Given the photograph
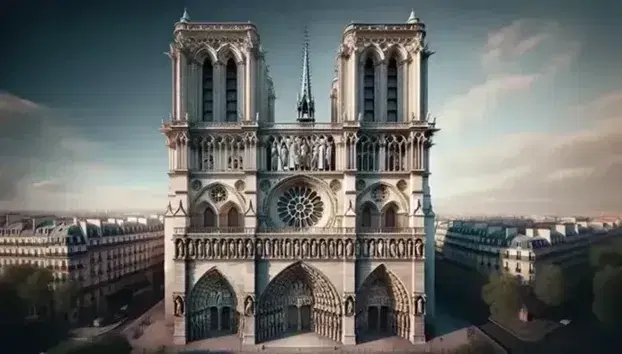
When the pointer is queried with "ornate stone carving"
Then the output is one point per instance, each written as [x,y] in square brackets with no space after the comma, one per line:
[240,185]
[218,193]
[249,306]
[196,185]
[380,193]
[204,248]
[300,207]
[419,249]
[301,153]
[360,185]
[349,306]
[402,185]
[335,185]
[265,185]
[420,305]
[180,305]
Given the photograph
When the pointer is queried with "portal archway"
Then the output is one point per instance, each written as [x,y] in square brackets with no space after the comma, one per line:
[299,299]
[212,307]
[382,307]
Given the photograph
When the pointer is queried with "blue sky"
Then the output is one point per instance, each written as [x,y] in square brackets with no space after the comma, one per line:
[527,94]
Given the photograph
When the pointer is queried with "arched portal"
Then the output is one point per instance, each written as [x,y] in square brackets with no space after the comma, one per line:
[382,307]
[299,299]
[212,307]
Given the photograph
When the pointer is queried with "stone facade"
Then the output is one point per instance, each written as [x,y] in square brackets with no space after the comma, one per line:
[274,229]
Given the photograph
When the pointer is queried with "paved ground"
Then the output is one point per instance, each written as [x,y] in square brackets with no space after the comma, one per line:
[155,334]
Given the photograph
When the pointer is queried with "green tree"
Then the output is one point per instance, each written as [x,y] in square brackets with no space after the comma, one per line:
[502,294]
[549,285]
[607,293]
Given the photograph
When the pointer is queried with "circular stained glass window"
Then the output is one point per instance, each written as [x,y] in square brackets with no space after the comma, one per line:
[300,206]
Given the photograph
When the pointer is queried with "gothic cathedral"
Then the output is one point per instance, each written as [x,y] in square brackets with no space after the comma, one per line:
[314,229]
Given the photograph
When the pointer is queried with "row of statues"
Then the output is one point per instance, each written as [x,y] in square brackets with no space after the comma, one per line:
[314,153]
[337,248]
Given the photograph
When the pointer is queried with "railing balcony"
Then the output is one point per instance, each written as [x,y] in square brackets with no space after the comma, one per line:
[390,230]
[216,230]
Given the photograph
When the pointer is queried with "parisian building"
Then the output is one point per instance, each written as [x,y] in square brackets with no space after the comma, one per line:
[277,229]
[109,260]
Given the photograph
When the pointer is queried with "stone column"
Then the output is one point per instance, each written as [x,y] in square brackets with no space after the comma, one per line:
[250,86]
[402,90]
[218,92]
[241,89]
[414,68]
[352,87]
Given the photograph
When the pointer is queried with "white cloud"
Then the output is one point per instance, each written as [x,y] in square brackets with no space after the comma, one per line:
[574,172]
[513,41]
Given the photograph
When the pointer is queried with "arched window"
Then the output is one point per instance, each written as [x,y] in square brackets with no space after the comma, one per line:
[209,218]
[390,217]
[208,91]
[392,91]
[233,217]
[369,90]
[231,91]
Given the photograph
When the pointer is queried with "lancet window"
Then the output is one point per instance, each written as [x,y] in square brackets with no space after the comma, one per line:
[300,153]
[392,91]
[220,153]
[368,152]
[208,91]
[369,90]
[382,153]
[231,91]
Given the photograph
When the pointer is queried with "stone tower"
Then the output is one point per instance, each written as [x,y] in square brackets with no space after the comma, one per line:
[276,229]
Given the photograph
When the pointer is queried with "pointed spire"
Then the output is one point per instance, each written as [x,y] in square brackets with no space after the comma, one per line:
[306,105]
[412,18]
[185,18]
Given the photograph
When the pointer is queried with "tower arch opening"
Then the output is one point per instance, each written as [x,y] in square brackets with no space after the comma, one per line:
[210,219]
[212,307]
[369,90]
[208,90]
[299,299]
[393,90]
[369,216]
[382,307]
[231,91]
[389,216]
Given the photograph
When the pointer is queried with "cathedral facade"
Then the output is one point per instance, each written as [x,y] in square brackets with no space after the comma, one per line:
[276,229]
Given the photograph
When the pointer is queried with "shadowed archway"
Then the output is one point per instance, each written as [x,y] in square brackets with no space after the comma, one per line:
[382,307]
[299,299]
[212,305]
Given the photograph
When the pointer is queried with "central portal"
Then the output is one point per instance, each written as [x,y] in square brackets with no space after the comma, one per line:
[298,300]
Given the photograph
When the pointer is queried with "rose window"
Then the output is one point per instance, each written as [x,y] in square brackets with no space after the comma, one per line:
[300,206]
[218,193]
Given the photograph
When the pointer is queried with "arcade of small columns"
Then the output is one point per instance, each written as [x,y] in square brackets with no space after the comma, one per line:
[300,299]
[314,152]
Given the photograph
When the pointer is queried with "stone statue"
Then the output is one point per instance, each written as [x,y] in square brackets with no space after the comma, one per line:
[331,248]
[321,158]
[276,249]
[400,248]
[349,248]
[313,249]
[232,249]
[191,249]
[180,249]
[419,306]
[296,248]
[409,250]
[208,249]
[418,248]
[249,248]
[288,250]
[305,249]
[223,249]
[380,248]
[292,155]
[328,155]
[274,157]
[179,306]
[372,248]
[284,158]
[240,249]
[315,151]
[392,250]
[267,249]
[339,248]
[259,247]
[322,249]
[249,306]
[349,310]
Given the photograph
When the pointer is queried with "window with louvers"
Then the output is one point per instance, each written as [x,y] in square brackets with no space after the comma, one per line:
[231,91]
[392,91]
[369,90]
[208,91]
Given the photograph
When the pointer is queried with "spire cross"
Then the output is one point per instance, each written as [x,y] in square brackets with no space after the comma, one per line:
[306,109]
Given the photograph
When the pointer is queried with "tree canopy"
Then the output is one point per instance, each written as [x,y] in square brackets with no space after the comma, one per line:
[549,286]
[502,294]
[607,294]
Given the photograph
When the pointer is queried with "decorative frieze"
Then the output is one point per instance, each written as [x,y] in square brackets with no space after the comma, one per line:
[320,248]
